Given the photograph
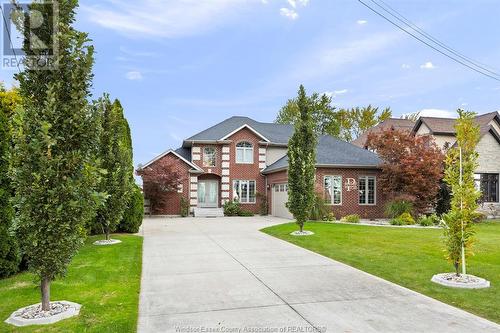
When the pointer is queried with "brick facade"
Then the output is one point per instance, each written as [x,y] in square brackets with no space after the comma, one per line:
[170,202]
[226,170]
[350,198]
[246,171]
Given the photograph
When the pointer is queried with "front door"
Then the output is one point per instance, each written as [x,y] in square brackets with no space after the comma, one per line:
[208,193]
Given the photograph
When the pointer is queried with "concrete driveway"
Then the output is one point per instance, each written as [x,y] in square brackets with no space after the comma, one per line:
[223,275]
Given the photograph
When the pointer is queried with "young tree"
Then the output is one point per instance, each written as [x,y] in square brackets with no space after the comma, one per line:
[355,121]
[9,250]
[53,168]
[301,162]
[412,165]
[115,155]
[322,113]
[461,161]
[160,181]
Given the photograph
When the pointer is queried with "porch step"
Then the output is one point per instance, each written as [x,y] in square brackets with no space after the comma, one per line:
[208,212]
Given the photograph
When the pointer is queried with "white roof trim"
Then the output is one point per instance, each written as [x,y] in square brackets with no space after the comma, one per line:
[176,154]
[240,128]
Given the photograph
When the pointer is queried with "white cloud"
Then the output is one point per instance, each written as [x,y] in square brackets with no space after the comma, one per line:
[361,22]
[292,3]
[304,2]
[134,76]
[335,93]
[289,13]
[437,113]
[428,65]
[166,18]
[326,60]
[405,66]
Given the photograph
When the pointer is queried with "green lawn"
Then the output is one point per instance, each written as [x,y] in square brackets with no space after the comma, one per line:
[408,257]
[104,279]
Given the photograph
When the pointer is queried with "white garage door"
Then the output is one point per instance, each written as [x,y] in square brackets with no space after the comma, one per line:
[280,197]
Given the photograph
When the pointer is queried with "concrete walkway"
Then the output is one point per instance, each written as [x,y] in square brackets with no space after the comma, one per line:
[223,275]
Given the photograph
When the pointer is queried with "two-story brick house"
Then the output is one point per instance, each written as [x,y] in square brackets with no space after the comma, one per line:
[239,157]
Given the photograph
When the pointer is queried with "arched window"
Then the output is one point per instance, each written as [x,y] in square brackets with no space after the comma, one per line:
[244,152]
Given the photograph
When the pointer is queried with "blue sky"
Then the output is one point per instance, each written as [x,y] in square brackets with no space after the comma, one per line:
[181,66]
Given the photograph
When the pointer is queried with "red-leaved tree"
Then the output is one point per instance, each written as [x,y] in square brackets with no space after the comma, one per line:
[160,180]
[412,166]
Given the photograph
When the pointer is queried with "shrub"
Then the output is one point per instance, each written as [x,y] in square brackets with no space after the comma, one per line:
[399,206]
[245,213]
[351,218]
[403,219]
[132,217]
[263,207]
[425,221]
[184,207]
[232,208]
[330,217]
[319,209]
[429,220]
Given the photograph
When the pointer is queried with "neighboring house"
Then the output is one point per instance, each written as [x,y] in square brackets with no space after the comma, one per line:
[391,123]
[240,157]
[488,172]
[443,132]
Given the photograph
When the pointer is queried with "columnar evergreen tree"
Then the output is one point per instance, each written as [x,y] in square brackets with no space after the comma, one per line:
[9,251]
[115,155]
[54,173]
[301,162]
[461,161]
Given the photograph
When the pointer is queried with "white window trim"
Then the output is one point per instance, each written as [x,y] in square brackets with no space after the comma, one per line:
[244,148]
[246,180]
[341,191]
[215,155]
[366,194]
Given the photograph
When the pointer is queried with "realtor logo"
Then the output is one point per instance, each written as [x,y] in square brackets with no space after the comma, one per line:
[34,24]
[350,184]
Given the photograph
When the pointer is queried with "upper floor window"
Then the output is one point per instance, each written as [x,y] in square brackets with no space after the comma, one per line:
[333,190]
[209,156]
[367,188]
[244,152]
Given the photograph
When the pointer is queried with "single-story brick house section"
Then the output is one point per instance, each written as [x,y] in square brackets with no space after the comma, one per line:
[240,157]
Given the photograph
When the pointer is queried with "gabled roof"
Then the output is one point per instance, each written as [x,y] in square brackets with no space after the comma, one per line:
[332,152]
[446,126]
[394,123]
[183,154]
[269,132]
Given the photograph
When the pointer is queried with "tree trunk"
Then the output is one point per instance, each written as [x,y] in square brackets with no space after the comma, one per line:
[301,226]
[45,289]
[457,266]
[107,231]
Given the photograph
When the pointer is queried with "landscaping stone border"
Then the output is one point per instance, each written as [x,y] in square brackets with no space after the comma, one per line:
[16,320]
[103,242]
[466,281]
[303,233]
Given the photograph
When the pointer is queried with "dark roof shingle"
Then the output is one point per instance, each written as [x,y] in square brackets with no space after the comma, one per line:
[334,152]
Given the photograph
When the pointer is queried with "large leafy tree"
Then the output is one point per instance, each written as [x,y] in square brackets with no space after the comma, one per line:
[411,166]
[115,154]
[53,167]
[323,114]
[301,162]
[461,161]
[355,121]
[346,124]
[9,250]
